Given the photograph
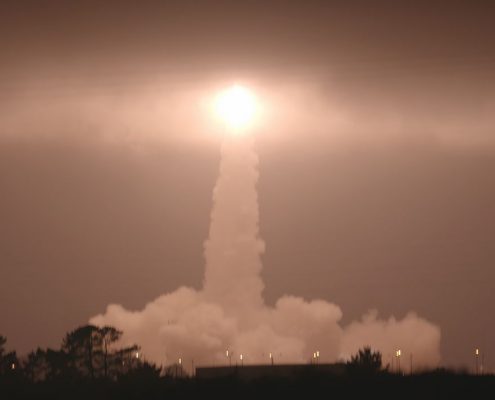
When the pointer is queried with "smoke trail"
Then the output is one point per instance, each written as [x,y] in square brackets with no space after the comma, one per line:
[233,248]
[229,312]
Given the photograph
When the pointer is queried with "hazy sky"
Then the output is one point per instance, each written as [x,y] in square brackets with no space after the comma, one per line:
[377,156]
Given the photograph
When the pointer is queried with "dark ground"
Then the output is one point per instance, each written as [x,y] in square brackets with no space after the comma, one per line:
[433,385]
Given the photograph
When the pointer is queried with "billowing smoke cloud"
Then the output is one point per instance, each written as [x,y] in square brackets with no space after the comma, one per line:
[414,336]
[229,312]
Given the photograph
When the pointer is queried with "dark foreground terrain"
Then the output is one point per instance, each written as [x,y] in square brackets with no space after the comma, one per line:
[433,385]
[90,365]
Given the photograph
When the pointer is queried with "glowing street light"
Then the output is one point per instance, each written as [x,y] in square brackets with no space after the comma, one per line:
[477,355]
[398,354]
[179,365]
[228,354]
[241,358]
[271,358]
[316,357]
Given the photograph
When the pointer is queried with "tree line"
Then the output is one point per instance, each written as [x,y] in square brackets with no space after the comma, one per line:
[91,364]
[88,352]
[92,352]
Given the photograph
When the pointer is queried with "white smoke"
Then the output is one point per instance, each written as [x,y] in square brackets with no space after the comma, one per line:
[229,312]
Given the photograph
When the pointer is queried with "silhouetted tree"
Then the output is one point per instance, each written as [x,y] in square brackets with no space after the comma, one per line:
[9,362]
[109,335]
[36,366]
[41,365]
[3,340]
[81,347]
[175,370]
[366,361]
[126,359]
[89,351]
[144,371]
[86,352]
[59,364]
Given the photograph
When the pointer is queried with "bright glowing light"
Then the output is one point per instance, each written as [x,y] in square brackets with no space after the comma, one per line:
[236,106]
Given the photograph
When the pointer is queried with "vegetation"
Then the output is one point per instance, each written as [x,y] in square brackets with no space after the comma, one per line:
[366,361]
[88,352]
[91,365]
[8,361]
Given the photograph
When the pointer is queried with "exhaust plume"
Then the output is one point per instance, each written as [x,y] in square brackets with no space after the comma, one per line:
[229,313]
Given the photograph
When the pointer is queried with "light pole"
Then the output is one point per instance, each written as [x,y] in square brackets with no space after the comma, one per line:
[271,358]
[229,356]
[398,354]
[242,359]
[137,361]
[476,356]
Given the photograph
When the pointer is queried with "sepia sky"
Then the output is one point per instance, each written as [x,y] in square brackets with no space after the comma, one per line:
[376,148]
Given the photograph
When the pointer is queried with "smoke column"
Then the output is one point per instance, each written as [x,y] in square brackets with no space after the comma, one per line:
[233,249]
[229,312]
